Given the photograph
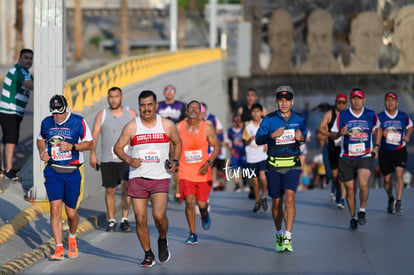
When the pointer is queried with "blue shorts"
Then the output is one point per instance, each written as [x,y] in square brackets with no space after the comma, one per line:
[278,182]
[257,166]
[237,162]
[63,186]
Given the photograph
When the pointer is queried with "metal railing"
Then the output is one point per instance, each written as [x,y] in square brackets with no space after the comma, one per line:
[88,88]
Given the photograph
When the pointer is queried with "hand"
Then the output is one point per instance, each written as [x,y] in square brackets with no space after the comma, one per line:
[278,132]
[344,130]
[374,152]
[204,169]
[65,146]
[44,156]
[134,162]
[298,136]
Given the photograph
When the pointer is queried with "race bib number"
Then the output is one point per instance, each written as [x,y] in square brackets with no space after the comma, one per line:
[193,156]
[59,155]
[288,137]
[150,156]
[393,138]
[357,149]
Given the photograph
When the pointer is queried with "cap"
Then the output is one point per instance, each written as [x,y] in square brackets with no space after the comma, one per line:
[358,93]
[285,92]
[392,95]
[341,96]
[58,104]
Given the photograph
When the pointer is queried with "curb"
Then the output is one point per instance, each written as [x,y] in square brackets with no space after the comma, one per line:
[40,253]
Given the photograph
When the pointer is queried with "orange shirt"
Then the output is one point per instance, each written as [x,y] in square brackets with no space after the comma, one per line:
[194,154]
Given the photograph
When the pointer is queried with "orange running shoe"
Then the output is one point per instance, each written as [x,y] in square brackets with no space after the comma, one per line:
[59,254]
[73,248]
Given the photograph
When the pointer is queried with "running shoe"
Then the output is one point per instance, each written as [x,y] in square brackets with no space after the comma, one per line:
[125,226]
[391,206]
[341,204]
[264,205]
[279,243]
[59,254]
[287,245]
[237,188]
[177,198]
[256,207]
[353,225]
[163,252]
[149,260]
[11,175]
[192,239]
[73,248]
[206,221]
[398,208]
[361,218]
[333,197]
[111,226]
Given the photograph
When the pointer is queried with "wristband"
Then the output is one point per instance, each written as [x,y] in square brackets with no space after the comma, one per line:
[376,145]
[73,147]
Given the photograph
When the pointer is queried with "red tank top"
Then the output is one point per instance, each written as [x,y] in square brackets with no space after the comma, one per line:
[194,154]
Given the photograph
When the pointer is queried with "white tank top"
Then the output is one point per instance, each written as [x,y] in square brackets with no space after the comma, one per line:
[152,146]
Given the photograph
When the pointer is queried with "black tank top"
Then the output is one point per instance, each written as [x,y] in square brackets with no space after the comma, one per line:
[331,143]
[246,114]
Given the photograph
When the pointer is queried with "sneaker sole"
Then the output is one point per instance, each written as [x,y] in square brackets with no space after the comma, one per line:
[148,266]
[54,259]
[191,243]
[340,206]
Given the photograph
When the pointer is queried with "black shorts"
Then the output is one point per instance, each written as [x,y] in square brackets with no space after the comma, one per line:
[388,160]
[333,156]
[10,125]
[348,168]
[113,172]
[219,163]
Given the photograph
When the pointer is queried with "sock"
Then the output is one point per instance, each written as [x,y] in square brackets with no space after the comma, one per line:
[112,220]
[124,219]
[399,201]
[288,234]
[361,209]
[59,244]
[279,232]
[72,236]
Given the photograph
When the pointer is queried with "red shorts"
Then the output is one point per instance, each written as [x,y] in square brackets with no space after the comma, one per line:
[201,190]
[143,188]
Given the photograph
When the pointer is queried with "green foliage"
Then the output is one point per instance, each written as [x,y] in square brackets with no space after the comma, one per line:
[95,40]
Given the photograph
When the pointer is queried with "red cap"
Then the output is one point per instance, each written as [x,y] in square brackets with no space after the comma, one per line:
[392,95]
[357,93]
[343,96]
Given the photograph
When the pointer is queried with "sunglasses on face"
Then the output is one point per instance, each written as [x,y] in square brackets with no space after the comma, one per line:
[341,102]
[59,110]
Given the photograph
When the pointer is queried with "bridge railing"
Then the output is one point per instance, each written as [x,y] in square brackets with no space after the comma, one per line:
[84,90]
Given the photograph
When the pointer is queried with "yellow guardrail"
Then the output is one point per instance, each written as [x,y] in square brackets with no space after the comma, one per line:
[85,89]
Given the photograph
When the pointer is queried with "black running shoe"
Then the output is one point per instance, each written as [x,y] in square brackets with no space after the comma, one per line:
[11,175]
[361,218]
[398,208]
[353,225]
[265,207]
[125,226]
[256,207]
[391,207]
[148,260]
[111,226]
[163,252]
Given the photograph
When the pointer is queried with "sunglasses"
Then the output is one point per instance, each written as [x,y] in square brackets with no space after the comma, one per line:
[59,110]
[342,102]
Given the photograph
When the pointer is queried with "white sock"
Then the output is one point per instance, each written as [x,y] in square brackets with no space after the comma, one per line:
[72,236]
[112,220]
[362,209]
[59,244]
[279,232]
[288,234]
[124,219]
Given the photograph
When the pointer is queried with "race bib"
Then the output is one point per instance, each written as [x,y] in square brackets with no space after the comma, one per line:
[288,137]
[59,155]
[356,149]
[150,156]
[193,156]
[393,138]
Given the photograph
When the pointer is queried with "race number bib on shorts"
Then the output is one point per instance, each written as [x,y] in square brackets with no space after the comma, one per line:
[393,138]
[193,156]
[288,137]
[357,149]
[150,156]
[59,155]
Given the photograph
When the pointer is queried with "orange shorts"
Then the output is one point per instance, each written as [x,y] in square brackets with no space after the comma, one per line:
[201,190]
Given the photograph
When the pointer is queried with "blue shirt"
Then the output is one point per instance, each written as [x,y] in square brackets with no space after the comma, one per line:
[285,145]
[358,142]
[396,126]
